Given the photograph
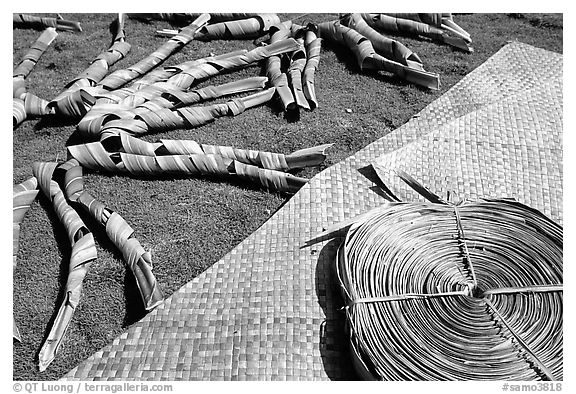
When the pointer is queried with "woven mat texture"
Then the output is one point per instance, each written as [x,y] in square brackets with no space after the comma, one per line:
[269,310]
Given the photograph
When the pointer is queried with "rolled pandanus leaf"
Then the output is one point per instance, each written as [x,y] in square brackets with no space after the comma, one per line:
[120,78]
[75,100]
[368,59]
[238,29]
[167,119]
[83,253]
[30,106]
[120,233]
[187,77]
[168,96]
[277,77]
[33,55]
[23,195]
[123,96]
[448,32]
[94,156]
[442,20]
[189,73]
[26,104]
[313,45]
[296,68]
[387,47]
[308,157]
[36,22]
[189,17]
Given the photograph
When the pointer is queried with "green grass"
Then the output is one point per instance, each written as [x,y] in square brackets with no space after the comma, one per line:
[190,224]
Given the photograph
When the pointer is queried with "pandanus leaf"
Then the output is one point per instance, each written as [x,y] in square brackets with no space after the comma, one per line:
[120,233]
[368,59]
[36,22]
[74,101]
[82,254]
[23,195]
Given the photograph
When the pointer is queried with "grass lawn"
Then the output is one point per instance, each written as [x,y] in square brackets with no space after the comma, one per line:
[189,224]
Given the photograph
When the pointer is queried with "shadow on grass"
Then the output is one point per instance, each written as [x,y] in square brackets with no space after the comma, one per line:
[54,121]
[334,349]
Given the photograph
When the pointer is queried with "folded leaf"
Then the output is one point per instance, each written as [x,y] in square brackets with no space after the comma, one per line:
[33,55]
[36,22]
[120,233]
[74,100]
[94,156]
[295,69]
[368,59]
[313,45]
[121,77]
[308,157]
[82,255]
[238,29]
[447,32]
[23,195]
[387,47]
[278,78]
[165,119]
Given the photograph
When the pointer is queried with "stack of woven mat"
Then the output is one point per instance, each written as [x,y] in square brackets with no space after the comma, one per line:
[270,308]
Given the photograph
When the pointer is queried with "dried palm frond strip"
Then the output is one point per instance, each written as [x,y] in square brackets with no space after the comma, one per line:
[129,97]
[120,78]
[34,53]
[296,67]
[278,33]
[37,22]
[30,106]
[307,157]
[313,45]
[120,233]
[167,96]
[75,101]
[443,292]
[368,59]
[238,29]
[448,33]
[23,195]
[441,20]
[83,253]
[18,112]
[387,47]
[166,119]
[94,156]
[182,17]
[185,75]
[24,103]
[188,76]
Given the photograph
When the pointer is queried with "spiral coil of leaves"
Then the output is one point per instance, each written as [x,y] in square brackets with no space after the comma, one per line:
[444,292]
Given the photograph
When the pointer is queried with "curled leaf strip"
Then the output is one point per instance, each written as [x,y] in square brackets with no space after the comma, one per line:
[387,47]
[120,233]
[120,78]
[36,22]
[273,161]
[82,255]
[238,29]
[23,195]
[94,156]
[368,59]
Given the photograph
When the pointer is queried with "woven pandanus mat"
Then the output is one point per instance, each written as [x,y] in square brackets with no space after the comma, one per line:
[270,310]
